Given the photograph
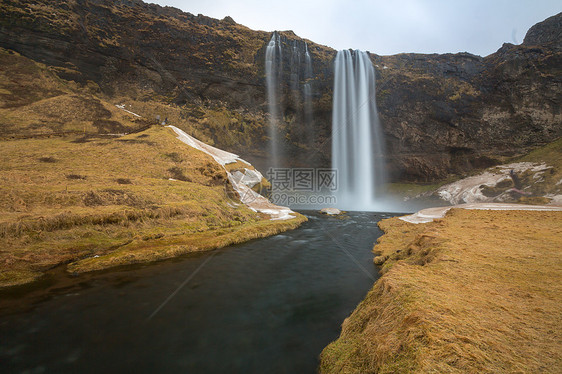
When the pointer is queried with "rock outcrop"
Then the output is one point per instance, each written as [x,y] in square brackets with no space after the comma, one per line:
[533,179]
[442,114]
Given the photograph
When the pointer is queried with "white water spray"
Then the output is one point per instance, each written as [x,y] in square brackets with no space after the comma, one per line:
[357,145]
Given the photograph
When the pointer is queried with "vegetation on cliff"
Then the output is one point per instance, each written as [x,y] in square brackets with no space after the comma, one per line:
[441,114]
[472,292]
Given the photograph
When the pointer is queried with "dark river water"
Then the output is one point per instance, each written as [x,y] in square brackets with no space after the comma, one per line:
[266,306]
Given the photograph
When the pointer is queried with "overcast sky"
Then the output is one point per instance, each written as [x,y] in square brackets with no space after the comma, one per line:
[384,26]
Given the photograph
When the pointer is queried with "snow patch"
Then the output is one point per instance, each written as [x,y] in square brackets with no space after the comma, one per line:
[249,177]
[555,199]
[220,156]
[522,166]
[241,182]
[428,215]
[331,211]
[469,190]
[122,107]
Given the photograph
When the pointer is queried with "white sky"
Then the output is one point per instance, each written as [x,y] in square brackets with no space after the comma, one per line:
[387,26]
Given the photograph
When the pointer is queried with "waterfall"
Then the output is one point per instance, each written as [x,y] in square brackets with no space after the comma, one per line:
[295,73]
[307,88]
[308,62]
[273,70]
[357,145]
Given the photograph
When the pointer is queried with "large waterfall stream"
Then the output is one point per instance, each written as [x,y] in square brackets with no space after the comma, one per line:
[357,147]
[307,89]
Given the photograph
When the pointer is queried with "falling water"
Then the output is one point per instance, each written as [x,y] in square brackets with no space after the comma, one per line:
[308,61]
[295,71]
[307,88]
[357,145]
[273,69]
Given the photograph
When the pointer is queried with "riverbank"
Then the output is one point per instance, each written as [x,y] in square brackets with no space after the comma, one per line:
[475,291]
[92,202]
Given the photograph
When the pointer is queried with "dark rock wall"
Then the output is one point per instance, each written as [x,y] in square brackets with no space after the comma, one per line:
[441,114]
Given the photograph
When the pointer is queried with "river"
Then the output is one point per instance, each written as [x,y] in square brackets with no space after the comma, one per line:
[265,306]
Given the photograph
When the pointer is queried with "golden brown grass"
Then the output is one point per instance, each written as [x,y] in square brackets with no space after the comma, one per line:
[475,292]
[34,101]
[108,202]
[71,192]
[144,250]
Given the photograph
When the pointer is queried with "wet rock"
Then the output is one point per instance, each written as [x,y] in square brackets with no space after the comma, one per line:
[331,211]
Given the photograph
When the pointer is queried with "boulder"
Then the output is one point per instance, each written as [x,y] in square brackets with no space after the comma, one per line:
[331,211]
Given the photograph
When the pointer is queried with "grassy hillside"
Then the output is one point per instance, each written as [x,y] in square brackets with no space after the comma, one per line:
[550,154]
[74,190]
[97,202]
[34,101]
[473,292]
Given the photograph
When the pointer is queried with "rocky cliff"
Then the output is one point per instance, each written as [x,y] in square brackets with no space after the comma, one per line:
[441,114]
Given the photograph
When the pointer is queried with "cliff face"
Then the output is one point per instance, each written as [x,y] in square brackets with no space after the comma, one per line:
[452,113]
[441,114]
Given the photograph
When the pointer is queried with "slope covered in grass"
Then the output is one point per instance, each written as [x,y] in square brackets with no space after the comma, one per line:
[35,102]
[102,202]
[477,291]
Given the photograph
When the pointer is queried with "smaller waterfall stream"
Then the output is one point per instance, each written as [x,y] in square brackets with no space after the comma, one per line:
[273,68]
[307,88]
[295,72]
[357,146]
